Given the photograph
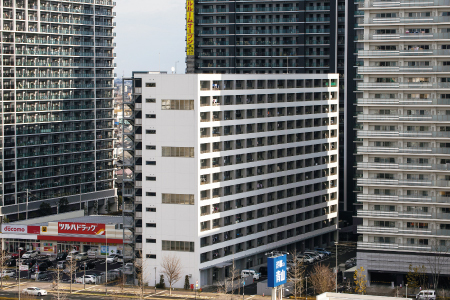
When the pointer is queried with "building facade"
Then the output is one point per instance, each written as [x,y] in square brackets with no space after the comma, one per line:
[57,105]
[404,132]
[267,37]
[233,166]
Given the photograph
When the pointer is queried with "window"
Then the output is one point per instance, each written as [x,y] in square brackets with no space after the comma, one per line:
[178,151]
[150,178]
[150,147]
[178,246]
[150,194]
[150,163]
[150,100]
[150,209]
[153,241]
[150,225]
[177,104]
[385,31]
[150,255]
[150,116]
[150,131]
[150,84]
[187,199]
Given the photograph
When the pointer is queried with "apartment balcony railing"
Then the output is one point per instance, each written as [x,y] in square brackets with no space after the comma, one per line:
[267,9]
[403,85]
[396,101]
[402,198]
[413,20]
[210,54]
[411,3]
[405,182]
[403,69]
[402,231]
[268,20]
[410,134]
[401,247]
[407,36]
[422,167]
[213,32]
[257,31]
[249,43]
[403,214]
[403,118]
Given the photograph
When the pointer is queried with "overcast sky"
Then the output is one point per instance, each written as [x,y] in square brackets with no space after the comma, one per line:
[147,30]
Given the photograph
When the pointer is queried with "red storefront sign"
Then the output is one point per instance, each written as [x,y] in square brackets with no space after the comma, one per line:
[34,229]
[81,228]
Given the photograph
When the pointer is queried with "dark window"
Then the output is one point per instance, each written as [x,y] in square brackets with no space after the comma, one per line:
[150,194]
[150,100]
[150,255]
[150,147]
[151,241]
[150,178]
[150,84]
[150,224]
[150,116]
[149,131]
[150,163]
[151,209]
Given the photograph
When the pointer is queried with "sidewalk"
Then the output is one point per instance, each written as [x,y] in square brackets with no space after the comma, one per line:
[128,292]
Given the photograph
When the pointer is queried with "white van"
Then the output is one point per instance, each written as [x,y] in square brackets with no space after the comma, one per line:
[426,295]
[253,273]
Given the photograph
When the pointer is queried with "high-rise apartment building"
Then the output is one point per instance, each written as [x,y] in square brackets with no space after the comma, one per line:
[271,37]
[404,128]
[232,166]
[56,104]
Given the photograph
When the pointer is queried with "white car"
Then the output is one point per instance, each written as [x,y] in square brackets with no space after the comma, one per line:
[253,273]
[81,256]
[35,291]
[112,258]
[29,254]
[8,273]
[86,278]
[315,254]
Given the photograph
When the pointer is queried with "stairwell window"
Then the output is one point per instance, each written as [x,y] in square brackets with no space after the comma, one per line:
[150,131]
[150,84]
[150,178]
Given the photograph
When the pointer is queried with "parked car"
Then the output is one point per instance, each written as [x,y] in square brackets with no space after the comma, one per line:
[81,256]
[18,254]
[35,291]
[61,264]
[86,279]
[7,273]
[70,257]
[11,263]
[318,255]
[30,254]
[89,265]
[61,256]
[29,262]
[74,252]
[324,251]
[350,263]
[112,258]
[253,273]
[426,295]
[263,270]
[39,266]
[306,258]
[120,258]
[40,276]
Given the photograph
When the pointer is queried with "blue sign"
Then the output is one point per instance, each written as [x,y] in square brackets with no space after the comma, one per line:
[276,271]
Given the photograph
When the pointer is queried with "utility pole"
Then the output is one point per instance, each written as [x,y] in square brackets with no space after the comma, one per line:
[106,260]
[336,264]
[26,218]
[306,288]
[18,274]
[84,277]
[155,280]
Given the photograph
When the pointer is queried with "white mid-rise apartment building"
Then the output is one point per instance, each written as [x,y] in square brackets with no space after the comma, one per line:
[234,166]
[405,131]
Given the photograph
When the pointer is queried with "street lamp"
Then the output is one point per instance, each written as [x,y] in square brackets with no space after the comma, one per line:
[406,290]
[336,264]
[155,280]
[306,292]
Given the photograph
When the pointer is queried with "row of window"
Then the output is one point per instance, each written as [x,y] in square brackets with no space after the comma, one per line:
[178,246]
[187,199]
[178,151]
[177,104]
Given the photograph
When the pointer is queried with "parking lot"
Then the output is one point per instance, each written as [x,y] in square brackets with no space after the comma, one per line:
[99,269]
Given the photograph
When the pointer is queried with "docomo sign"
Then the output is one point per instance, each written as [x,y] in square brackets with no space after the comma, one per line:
[17,229]
[81,228]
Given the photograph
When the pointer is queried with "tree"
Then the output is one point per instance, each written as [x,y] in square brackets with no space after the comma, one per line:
[235,273]
[63,205]
[72,269]
[161,284]
[45,209]
[437,260]
[416,277]
[3,259]
[57,278]
[140,268]
[296,274]
[171,267]
[186,282]
[322,279]
[360,281]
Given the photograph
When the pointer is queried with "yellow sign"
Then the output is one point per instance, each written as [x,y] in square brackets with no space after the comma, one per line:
[44,228]
[190,27]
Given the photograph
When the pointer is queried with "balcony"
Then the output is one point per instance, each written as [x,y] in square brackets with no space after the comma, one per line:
[421,167]
[407,134]
[400,247]
[422,150]
[411,3]
[396,101]
[403,85]
[403,214]
[406,36]
[403,182]
[404,69]
[403,231]
[403,118]
[401,198]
